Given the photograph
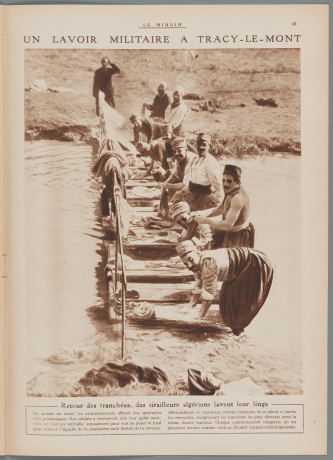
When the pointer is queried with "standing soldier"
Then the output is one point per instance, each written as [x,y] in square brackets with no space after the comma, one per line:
[103,82]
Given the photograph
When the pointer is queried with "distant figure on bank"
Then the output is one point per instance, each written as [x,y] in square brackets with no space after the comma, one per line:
[203,179]
[161,102]
[103,82]
[247,277]
[234,230]
[175,113]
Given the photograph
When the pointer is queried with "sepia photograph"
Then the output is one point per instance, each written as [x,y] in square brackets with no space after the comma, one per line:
[163,250]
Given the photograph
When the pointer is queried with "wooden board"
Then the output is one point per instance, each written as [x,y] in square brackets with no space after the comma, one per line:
[159,276]
[164,293]
[137,202]
[149,210]
[139,244]
[139,183]
[154,231]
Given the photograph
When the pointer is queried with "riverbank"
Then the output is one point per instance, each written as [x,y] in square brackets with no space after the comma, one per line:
[239,77]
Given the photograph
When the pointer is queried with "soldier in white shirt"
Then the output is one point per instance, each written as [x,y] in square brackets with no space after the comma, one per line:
[175,113]
[203,179]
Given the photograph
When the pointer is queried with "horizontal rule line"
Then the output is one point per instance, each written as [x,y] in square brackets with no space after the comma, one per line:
[162,27]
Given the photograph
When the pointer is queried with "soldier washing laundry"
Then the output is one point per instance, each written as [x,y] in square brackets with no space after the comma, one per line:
[247,276]
[234,230]
[203,179]
[183,154]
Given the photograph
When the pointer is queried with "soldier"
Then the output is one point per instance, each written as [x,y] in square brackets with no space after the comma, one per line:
[203,179]
[234,230]
[103,82]
[247,277]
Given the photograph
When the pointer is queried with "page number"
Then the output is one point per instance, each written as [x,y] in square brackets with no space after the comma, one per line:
[294,23]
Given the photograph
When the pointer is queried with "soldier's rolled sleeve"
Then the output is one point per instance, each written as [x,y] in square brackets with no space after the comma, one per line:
[197,288]
[209,277]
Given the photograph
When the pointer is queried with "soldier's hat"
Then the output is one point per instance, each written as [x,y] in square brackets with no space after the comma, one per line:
[178,208]
[233,171]
[165,129]
[178,142]
[185,247]
[205,137]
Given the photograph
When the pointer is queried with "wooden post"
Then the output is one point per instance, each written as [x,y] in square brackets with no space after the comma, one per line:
[123,281]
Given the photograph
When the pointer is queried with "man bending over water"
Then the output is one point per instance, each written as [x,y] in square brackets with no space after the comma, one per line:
[247,276]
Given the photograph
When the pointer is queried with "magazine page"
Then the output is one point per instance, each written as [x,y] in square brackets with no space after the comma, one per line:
[166,229]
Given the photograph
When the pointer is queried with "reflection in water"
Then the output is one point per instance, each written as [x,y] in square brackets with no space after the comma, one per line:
[66,255]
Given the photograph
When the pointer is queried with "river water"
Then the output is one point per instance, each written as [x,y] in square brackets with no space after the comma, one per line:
[65,254]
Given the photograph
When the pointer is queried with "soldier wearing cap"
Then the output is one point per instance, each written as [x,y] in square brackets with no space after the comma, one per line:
[234,229]
[103,82]
[183,153]
[246,274]
[203,179]
[175,113]
[183,157]
[180,213]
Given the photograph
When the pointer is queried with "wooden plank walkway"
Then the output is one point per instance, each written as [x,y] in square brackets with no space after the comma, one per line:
[156,281]
[164,293]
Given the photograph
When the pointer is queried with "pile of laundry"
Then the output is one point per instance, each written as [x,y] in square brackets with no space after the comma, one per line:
[204,383]
[149,222]
[120,375]
[152,193]
[174,263]
[170,237]
[65,356]
[133,310]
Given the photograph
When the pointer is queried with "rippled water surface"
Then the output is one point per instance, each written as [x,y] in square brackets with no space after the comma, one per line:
[65,254]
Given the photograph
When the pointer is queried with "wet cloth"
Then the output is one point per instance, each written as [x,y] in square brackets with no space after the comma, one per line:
[120,375]
[248,284]
[114,162]
[108,162]
[145,192]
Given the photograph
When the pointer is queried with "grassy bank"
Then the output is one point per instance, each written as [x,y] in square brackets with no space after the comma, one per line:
[238,76]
